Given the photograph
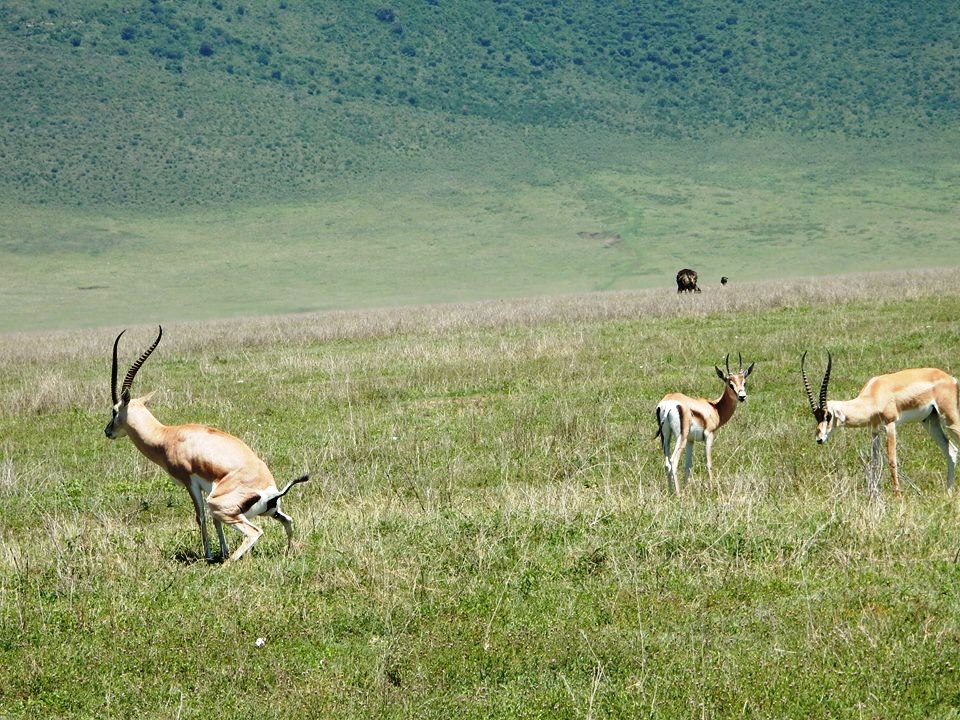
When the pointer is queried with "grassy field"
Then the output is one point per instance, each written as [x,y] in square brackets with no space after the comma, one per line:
[558,216]
[487,532]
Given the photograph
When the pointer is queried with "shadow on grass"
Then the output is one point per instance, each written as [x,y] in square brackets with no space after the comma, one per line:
[191,557]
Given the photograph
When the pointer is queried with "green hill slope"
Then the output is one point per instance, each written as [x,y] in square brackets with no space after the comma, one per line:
[156,103]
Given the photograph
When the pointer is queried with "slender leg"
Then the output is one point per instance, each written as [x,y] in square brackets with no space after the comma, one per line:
[688,462]
[251,533]
[675,463]
[708,441]
[892,456]
[673,428]
[224,548]
[197,497]
[949,450]
[287,525]
[666,433]
[954,439]
[681,428]
[874,468]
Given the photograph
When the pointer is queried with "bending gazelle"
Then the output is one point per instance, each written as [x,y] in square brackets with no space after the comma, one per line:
[918,394]
[237,483]
[687,419]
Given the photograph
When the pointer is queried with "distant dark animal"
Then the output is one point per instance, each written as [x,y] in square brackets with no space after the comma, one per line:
[724,280]
[687,281]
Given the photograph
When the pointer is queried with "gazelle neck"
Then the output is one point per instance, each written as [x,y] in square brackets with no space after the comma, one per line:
[145,431]
[726,404]
[852,413]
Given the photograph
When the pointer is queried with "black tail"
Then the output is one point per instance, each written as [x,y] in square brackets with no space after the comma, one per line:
[659,426]
[302,478]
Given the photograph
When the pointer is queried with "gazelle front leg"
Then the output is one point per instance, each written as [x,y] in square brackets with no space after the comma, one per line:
[197,496]
[891,429]
[708,441]
[224,548]
[688,462]
[875,468]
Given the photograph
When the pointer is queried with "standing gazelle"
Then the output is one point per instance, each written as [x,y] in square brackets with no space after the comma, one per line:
[918,394]
[237,483]
[687,419]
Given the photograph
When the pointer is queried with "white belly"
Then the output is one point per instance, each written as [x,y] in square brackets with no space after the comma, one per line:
[909,416]
[696,432]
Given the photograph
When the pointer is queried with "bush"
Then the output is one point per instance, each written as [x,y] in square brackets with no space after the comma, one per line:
[129,33]
[385,15]
[205,49]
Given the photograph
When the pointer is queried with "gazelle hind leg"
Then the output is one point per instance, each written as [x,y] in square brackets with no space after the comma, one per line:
[680,422]
[287,522]
[950,412]
[251,533]
[949,450]
[670,428]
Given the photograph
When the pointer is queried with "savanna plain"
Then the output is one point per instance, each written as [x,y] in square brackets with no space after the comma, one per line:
[487,531]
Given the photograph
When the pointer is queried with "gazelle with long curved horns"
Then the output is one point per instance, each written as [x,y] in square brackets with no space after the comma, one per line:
[926,395]
[237,483]
[687,419]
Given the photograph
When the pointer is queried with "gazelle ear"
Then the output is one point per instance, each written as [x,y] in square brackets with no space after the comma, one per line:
[746,373]
[125,396]
[720,373]
[149,396]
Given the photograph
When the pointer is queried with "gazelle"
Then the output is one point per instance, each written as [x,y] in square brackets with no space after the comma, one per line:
[919,394]
[687,419]
[237,483]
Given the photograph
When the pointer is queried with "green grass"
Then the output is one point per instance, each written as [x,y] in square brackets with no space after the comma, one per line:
[487,532]
[626,218]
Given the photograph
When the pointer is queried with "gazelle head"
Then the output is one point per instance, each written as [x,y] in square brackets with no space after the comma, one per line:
[117,427]
[821,411]
[736,381]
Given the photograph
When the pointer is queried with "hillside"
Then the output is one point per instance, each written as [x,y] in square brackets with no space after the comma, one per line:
[163,104]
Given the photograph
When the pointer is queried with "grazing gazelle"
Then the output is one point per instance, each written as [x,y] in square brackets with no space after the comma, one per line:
[687,419]
[918,394]
[237,483]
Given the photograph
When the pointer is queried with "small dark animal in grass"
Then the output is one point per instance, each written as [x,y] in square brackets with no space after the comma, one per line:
[237,483]
[687,281]
[724,280]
